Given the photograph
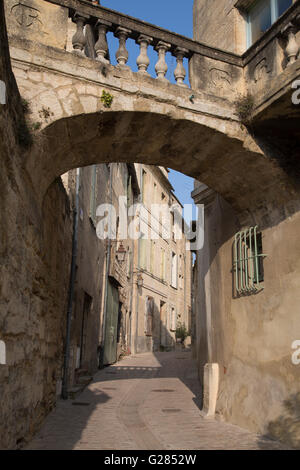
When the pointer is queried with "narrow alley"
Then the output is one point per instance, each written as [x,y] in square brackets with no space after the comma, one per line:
[149,229]
[145,402]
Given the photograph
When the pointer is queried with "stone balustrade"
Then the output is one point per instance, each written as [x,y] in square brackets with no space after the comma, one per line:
[99,26]
[292,43]
[211,71]
[266,70]
[276,52]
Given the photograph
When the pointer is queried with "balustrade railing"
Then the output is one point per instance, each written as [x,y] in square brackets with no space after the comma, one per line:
[99,28]
[213,71]
[292,46]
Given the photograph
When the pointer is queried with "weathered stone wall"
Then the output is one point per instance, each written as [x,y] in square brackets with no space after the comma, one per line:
[36,18]
[250,337]
[90,261]
[256,333]
[34,271]
[219,24]
[122,272]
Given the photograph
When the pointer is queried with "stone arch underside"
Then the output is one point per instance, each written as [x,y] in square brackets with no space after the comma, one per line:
[250,181]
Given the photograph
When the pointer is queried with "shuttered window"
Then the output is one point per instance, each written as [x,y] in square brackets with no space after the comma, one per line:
[174,270]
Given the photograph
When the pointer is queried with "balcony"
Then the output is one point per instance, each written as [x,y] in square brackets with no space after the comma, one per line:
[267,70]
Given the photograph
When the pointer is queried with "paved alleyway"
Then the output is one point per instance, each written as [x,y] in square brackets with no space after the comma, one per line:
[144,402]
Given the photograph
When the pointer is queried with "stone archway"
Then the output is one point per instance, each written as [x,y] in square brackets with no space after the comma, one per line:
[243,176]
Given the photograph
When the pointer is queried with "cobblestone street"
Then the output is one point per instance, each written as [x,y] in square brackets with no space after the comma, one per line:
[146,402]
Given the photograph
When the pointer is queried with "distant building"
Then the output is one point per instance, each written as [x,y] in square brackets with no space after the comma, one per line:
[246,285]
[162,267]
[102,288]
[129,295]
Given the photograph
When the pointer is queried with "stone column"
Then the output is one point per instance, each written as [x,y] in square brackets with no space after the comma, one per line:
[143,59]
[79,39]
[292,47]
[122,53]
[101,46]
[180,72]
[161,67]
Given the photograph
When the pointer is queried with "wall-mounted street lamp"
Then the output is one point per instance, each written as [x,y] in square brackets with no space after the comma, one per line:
[121,253]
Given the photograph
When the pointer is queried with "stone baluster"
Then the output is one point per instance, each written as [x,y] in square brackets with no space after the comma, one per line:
[79,39]
[143,59]
[180,72]
[161,67]
[292,47]
[122,53]
[101,46]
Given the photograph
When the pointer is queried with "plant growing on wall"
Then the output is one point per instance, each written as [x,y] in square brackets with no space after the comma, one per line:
[244,106]
[106,99]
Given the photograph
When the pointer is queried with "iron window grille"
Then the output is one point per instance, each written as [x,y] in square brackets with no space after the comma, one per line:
[248,257]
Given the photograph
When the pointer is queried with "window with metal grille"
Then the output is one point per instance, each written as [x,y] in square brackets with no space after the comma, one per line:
[248,258]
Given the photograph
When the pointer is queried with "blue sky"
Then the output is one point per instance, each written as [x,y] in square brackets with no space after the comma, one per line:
[177,16]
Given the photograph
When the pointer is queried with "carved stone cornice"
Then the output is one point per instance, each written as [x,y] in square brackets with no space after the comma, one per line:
[204,195]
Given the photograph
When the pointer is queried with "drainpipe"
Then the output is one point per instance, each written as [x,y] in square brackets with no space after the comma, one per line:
[71,289]
[131,293]
[138,264]
[108,255]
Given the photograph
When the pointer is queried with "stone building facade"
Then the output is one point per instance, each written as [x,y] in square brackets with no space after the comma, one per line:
[98,324]
[162,266]
[246,296]
[33,304]
[117,310]
[231,20]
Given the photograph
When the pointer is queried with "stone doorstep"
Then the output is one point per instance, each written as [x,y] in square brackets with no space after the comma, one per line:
[84,380]
[80,372]
[81,383]
[74,391]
